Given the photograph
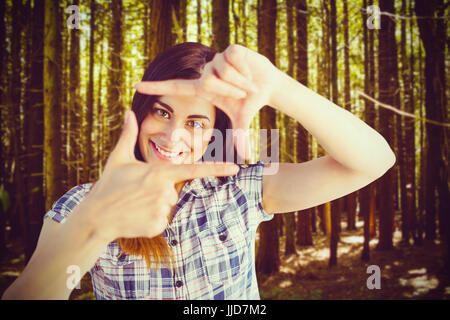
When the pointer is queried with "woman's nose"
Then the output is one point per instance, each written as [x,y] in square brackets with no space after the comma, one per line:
[175,132]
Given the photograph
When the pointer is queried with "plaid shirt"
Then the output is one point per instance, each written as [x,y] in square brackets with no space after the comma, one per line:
[212,236]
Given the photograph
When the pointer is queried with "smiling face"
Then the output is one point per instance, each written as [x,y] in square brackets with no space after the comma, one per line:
[178,129]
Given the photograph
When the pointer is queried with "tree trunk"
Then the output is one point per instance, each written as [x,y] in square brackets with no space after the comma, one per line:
[267,259]
[199,21]
[3,92]
[52,102]
[423,152]
[368,193]
[89,158]
[369,116]
[100,108]
[351,198]
[76,110]
[304,234]
[314,220]
[236,21]
[323,88]
[408,146]
[289,218]
[179,14]
[243,16]
[335,205]
[88,132]
[220,25]
[35,137]
[20,225]
[401,123]
[115,87]
[161,25]
[68,167]
[389,94]
[145,24]
[432,33]
[3,70]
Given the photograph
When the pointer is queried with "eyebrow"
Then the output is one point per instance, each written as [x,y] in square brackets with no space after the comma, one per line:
[192,116]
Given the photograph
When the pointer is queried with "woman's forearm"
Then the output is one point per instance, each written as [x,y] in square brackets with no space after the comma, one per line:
[347,139]
[73,243]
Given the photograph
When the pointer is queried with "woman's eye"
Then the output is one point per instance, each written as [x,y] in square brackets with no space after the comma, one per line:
[195,124]
[162,113]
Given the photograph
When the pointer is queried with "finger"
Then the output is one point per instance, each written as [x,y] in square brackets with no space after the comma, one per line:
[228,73]
[174,87]
[215,86]
[205,88]
[236,55]
[184,172]
[124,149]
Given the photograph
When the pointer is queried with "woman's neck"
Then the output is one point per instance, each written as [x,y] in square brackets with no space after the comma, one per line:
[179,186]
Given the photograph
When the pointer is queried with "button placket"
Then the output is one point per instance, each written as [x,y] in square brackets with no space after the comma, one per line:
[173,242]
[178,283]
[173,236]
[170,235]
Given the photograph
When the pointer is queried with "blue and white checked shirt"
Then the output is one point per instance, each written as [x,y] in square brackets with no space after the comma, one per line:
[212,236]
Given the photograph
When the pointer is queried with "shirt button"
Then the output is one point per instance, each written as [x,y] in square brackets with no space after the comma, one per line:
[179,284]
[173,243]
[222,237]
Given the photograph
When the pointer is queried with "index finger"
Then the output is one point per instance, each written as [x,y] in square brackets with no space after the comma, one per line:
[184,172]
[182,87]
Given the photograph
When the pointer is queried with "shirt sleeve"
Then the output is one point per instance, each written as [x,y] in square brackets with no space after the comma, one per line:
[62,207]
[250,179]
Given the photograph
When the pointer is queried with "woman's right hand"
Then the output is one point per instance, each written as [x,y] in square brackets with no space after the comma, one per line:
[133,198]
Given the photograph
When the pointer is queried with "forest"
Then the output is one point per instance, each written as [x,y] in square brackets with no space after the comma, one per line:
[67,75]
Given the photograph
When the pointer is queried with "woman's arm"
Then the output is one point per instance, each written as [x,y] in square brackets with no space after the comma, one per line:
[131,199]
[346,138]
[357,154]
[241,81]
[74,242]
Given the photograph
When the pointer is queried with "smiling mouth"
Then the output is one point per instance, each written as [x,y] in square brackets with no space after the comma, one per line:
[164,154]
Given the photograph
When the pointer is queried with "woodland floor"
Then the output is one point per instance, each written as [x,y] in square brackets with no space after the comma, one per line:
[407,272]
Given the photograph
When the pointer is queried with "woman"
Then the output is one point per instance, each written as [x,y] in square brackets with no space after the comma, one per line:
[159,224]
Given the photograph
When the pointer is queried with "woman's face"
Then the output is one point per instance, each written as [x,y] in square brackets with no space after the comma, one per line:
[177,130]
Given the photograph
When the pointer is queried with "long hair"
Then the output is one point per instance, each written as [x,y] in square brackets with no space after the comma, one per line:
[183,61]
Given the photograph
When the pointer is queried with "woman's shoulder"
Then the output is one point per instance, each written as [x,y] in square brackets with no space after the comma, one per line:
[62,207]
[250,179]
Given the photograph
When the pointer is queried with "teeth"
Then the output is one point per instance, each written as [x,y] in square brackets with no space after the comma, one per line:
[165,153]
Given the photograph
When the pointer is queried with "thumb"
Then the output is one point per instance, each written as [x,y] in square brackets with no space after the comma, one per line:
[124,149]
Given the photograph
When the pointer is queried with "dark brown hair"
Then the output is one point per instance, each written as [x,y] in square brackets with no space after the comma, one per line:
[183,61]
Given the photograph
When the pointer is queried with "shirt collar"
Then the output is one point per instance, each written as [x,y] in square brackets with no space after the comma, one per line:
[207,185]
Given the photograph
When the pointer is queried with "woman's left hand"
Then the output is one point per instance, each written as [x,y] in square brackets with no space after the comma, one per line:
[239,81]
